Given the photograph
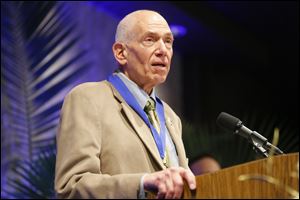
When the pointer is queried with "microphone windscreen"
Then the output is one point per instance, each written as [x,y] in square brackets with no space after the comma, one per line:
[227,121]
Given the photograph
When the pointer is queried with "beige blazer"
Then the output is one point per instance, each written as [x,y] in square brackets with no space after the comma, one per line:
[104,147]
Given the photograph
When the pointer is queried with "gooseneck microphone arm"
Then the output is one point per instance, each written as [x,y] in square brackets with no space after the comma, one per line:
[259,142]
[254,138]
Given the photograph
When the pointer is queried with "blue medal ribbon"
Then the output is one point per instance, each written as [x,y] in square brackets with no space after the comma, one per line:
[160,139]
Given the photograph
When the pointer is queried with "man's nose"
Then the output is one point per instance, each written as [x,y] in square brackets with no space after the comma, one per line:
[161,49]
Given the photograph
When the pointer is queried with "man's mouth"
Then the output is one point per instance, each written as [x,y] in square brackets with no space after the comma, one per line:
[158,64]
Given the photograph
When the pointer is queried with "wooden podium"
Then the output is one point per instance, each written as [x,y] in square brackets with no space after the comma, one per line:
[226,184]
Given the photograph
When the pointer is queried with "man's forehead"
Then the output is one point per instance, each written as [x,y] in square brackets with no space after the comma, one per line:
[153,25]
[154,29]
[166,33]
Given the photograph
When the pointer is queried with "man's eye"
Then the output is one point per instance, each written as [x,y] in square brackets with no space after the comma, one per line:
[169,43]
[148,41]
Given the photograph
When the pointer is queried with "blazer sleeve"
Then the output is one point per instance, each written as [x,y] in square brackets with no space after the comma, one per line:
[78,165]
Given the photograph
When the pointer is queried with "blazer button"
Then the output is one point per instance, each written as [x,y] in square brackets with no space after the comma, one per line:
[170,121]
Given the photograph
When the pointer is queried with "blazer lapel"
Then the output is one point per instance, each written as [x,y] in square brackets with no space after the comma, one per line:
[177,142]
[140,127]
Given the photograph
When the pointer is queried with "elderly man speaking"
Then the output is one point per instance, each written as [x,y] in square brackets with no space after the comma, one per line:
[116,138]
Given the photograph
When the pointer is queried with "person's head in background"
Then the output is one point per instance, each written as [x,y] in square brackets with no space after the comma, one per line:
[204,163]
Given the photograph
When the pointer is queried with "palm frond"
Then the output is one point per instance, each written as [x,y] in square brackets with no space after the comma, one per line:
[35,179]
[41,59]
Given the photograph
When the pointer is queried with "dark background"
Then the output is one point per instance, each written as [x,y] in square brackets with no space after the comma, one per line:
[246,59]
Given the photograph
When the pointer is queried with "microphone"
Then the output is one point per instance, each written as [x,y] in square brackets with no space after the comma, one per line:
[234,124]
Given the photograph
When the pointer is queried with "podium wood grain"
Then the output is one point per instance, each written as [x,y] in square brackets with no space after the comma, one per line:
[225,183]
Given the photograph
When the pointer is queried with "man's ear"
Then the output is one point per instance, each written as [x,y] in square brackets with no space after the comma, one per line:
[120,53]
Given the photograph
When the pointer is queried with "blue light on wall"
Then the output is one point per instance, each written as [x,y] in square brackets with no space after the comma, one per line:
[178,30]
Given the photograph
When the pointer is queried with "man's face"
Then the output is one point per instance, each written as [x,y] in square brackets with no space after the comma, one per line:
[149,52]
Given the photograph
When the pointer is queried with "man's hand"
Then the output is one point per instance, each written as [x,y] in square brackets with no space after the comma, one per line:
[169,183]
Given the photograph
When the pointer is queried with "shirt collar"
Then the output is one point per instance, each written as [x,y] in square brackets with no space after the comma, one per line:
[140,95]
